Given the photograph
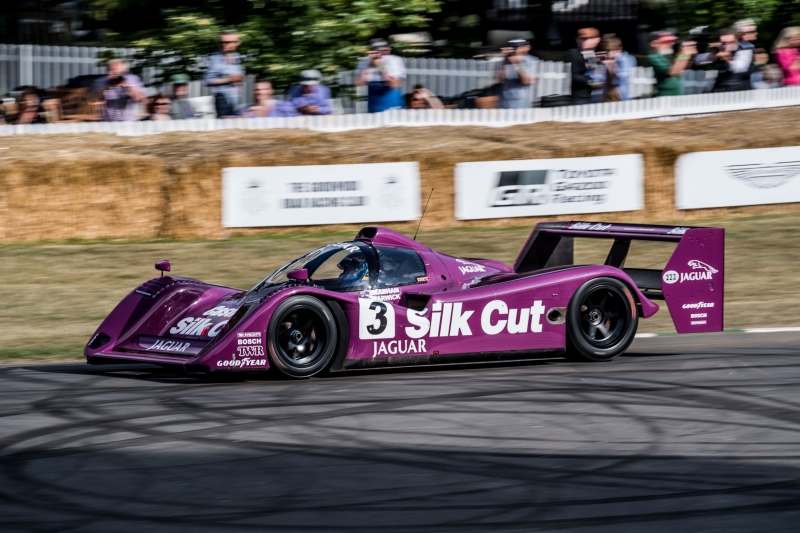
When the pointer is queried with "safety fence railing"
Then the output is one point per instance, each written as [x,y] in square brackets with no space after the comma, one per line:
[652,108]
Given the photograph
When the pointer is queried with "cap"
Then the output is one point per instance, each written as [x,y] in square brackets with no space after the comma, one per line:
[588,33]
[516,43]
[376,44]
[310,77]
[180,78]
[661,36]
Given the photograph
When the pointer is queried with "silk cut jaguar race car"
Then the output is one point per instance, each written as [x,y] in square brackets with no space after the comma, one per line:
[384,299]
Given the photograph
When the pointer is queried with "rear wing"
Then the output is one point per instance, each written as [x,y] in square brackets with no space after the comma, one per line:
[692,282]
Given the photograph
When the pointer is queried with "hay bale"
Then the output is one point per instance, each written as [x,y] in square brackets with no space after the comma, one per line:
[97,186]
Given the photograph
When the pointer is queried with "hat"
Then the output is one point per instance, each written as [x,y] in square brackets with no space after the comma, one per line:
[516,43]
[588,33]
[661,36]
[310,77]
[377,44]
[180,78]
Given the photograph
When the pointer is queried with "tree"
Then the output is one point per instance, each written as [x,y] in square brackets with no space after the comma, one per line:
[280,37]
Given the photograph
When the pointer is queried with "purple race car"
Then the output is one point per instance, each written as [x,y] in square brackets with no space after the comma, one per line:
[384,299]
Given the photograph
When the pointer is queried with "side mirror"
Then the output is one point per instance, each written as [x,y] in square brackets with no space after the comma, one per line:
[163,266]
[300,274]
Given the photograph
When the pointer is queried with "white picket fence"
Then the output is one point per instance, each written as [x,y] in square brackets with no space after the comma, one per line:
[49,66]
[668,107]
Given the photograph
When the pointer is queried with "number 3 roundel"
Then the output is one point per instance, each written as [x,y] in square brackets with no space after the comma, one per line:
[375,320]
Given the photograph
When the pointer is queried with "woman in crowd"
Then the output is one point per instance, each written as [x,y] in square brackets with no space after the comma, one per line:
[422,98]
[31,111]
[787,54]
[159,108]
[265,105]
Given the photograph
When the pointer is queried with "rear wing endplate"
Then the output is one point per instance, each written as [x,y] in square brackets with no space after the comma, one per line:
[692,282]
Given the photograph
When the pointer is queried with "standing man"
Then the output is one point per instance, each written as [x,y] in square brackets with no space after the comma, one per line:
[733,63]
[585,66]
[311,97]
[667,69]
[119,92]
[383,74]
[181,108]
[225,75]
[517,76]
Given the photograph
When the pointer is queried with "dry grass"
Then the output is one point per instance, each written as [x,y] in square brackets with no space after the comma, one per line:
[97,186]
[55,295]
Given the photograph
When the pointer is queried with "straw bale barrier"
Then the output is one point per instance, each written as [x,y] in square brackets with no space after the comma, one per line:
[95,186]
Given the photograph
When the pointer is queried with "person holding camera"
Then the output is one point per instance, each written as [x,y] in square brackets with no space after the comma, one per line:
[225,75]
[588,73]
[120,93]
[733,64]
[667,66]
[517,75]
[383,73]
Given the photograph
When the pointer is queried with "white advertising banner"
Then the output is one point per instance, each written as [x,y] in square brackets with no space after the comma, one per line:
[537,187]
[738,177]
[320,194]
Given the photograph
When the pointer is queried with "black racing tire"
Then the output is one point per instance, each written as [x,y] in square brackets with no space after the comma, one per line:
[602,319]
[302,337]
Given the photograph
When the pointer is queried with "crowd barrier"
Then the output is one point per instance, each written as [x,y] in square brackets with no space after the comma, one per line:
[671,107]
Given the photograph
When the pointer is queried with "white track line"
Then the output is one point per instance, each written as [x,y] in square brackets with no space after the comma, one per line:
[746,330]
[770,330]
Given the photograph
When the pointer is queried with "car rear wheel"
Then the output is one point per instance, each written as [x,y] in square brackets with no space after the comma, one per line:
[601,320]
[302,337]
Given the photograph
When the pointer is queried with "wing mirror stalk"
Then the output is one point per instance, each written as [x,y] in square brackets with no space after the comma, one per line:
[164,266]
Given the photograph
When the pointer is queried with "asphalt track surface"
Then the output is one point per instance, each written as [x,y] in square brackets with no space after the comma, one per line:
[697,433]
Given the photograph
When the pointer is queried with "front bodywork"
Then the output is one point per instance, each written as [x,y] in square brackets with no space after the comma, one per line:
[461,310]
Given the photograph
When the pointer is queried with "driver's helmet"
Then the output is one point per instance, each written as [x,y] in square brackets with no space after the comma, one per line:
[354,268]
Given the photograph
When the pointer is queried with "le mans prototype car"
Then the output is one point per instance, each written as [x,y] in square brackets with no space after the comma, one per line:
[384,299]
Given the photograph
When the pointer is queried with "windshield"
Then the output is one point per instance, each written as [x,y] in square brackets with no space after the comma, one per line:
[344,266]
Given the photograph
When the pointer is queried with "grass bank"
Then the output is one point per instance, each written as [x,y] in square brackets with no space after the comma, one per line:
[55,295]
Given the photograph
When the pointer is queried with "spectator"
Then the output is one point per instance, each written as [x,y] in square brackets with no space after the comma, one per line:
[159,108]
[760,60]
[311,97]
[517,75]
[120,93]
[619,66]
[225,75]
[181,108]
[734,64]
[787,54]
[422,98]
[31,110]
[667,69]
[770,77]
[383,74]
[265,105]
[585,78]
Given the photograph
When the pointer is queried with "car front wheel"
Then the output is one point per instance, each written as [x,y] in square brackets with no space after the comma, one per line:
[302,337]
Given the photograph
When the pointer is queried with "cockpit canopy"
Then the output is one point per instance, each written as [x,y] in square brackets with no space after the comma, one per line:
[354,266]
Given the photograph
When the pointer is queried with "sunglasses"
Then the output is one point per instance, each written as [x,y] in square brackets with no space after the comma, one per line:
[230,42]
[158,104]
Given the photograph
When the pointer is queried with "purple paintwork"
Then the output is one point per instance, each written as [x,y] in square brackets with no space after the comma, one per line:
[164,265]
[462,309]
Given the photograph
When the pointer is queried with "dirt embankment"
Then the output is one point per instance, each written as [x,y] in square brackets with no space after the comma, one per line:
[97,186]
